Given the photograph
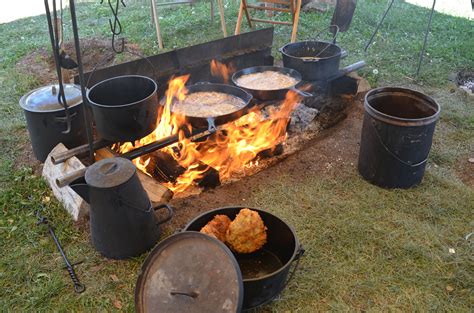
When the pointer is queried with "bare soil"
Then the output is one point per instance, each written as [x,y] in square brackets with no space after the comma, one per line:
[465,170]
[94,52]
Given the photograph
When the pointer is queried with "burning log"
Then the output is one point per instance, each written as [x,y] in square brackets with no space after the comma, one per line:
[164,168]
[272,152]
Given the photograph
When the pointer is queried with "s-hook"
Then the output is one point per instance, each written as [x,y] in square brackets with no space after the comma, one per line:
[116,27]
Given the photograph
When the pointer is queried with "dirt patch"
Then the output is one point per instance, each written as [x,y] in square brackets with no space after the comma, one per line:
[465,170]
[26,156]
[40,63]
[333,147]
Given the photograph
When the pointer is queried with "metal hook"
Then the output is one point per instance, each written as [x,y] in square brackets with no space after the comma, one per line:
[116,26]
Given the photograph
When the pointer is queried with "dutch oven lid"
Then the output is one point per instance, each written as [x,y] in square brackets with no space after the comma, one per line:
[45,99]
[189,272]
[110,172]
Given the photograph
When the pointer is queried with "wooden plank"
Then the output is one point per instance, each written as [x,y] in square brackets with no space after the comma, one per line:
[157,193]
[72,202]
[283,2]
[271,22]
[257,7]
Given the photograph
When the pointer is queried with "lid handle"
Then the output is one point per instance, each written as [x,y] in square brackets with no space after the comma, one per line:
[191,294]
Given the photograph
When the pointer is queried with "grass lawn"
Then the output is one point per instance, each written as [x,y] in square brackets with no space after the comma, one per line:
[368,249]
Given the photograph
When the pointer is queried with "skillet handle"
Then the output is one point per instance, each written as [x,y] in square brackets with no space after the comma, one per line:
[212,125]
[302,93]
[350,68]
[170,213]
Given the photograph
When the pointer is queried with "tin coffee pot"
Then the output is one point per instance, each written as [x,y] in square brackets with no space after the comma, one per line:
[122,219]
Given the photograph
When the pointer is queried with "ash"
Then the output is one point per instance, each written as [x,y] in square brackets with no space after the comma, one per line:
[302,118]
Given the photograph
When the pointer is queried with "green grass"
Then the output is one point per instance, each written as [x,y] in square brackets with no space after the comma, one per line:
[368,249]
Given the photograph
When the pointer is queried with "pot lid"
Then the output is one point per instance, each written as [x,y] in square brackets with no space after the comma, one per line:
[189,272]
[110,172]
[45,99]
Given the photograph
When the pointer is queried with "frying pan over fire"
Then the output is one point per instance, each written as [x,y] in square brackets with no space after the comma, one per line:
[212,121]
[270,94]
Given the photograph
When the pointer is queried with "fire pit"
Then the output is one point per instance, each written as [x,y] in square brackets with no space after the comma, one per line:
[186,154]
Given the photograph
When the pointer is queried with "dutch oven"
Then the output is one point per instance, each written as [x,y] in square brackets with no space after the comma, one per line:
[193,272]
[316,60]
[125,108]
[46,119]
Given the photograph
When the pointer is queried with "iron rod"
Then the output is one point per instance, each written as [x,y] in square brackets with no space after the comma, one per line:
[378,26]
[72,7]
[61,157]
[426,39]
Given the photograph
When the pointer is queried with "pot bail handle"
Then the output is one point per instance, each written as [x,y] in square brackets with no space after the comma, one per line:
[392,154]
[326,28]
[297,258]
[168,208]
[106,58]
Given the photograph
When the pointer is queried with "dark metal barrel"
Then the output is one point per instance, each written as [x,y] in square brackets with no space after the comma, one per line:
[397,133]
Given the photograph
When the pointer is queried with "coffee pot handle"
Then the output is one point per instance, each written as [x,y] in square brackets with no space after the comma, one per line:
[168,208]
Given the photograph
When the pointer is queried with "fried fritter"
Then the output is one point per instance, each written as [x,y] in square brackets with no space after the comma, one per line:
[217,227]
[246,233]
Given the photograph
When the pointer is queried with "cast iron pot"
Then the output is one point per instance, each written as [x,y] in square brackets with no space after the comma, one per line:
[326,66]
[282,242]
[46,119]
[125,108]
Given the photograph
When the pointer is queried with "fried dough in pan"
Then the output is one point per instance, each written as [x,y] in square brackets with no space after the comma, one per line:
[247,232]
[217,227]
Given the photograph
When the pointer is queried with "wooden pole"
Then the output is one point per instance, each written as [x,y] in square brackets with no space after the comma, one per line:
[157,24]
[296,20]
[221,12]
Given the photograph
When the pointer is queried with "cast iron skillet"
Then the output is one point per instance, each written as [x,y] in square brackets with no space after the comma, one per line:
[211,121]
[272,94]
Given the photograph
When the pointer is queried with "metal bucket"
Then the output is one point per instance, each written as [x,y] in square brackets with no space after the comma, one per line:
[125,108]
[397,133]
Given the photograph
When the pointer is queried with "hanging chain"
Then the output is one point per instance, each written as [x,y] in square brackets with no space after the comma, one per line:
[116,26]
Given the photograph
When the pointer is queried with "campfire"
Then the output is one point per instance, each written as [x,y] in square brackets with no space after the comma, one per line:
[232,149]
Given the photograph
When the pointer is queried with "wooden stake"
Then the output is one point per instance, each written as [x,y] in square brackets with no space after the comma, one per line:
[157,24]
[221,12]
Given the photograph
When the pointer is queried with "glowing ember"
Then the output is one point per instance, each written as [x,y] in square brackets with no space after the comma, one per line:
[228,151]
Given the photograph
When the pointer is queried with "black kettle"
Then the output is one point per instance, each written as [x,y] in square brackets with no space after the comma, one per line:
[122,219]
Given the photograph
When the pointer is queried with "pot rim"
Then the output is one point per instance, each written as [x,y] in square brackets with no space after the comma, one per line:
[296,250]
[25,96]
[121,105]
[282,50]
[401,121]
[271,68]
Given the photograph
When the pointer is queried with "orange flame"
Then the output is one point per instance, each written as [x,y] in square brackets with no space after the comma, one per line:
[228,151]
[221,70]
